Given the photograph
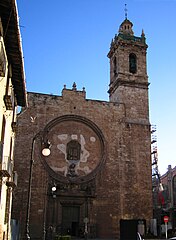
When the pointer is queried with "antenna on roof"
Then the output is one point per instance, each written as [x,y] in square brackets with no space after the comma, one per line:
[126,11]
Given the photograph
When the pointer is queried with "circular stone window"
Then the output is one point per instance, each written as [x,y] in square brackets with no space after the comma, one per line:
[77,148]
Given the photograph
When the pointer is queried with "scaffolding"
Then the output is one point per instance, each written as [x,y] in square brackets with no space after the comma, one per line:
[155,171]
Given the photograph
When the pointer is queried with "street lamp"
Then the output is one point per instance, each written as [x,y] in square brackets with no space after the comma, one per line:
[45,152]
[53,188]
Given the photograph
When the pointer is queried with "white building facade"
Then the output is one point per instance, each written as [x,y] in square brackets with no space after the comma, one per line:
[12,94]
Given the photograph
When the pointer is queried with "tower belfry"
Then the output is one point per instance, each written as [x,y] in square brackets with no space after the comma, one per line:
[128,71]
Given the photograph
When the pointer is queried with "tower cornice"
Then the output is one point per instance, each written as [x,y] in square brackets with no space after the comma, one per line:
[127,83]
[126,40]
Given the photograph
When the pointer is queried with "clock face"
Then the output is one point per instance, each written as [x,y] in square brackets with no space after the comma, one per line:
[77,148]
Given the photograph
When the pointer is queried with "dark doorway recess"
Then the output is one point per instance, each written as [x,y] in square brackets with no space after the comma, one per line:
[70,219]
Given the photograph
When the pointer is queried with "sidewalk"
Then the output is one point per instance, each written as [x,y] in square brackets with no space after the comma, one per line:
[113,239]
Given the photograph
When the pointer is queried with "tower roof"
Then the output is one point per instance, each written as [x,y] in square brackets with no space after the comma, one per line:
[126,34]
[126,27]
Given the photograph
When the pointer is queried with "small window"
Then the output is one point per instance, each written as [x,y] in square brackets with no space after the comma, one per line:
[132,63]
[174,189]
[73,150]
[7,209]
[3,129]
[2,60]
[115,66]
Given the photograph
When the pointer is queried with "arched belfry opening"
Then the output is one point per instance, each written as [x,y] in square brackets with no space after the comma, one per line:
[132,63]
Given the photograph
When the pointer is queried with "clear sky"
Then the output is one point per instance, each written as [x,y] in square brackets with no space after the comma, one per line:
[66,41]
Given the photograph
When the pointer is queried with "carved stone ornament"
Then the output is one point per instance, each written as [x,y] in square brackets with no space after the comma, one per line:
[78,149]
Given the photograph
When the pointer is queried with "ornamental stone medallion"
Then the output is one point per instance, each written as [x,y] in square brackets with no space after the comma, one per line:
[77,148]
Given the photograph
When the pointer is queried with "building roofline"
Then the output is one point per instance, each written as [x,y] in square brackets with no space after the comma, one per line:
[13,46]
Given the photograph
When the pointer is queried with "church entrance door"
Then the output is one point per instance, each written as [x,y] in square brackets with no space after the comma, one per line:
[70,219]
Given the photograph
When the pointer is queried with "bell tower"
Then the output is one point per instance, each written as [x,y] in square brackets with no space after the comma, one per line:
[128,72]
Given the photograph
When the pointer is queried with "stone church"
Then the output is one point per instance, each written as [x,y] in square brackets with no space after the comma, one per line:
[97,172]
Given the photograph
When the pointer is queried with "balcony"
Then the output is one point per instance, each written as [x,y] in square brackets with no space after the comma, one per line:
[13,180]
[6,167]
[8,102]
[2,69]
[14,127]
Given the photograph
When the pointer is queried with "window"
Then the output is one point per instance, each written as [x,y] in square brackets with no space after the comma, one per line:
[174,190]
[132,63]
[2,60]
[7,209]
[3,129]
[115,65]
[73,150]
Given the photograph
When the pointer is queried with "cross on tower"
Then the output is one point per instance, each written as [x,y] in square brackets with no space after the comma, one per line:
[126,11]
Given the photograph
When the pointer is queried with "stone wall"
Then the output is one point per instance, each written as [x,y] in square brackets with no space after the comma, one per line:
[112,182]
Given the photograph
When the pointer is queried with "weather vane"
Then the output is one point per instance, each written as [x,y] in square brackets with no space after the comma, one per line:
[126,11]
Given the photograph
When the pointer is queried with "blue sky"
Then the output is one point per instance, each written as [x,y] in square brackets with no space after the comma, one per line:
[66,41]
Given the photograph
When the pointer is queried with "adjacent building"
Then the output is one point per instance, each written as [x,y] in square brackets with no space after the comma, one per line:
[165,201]
[98,174]
[12,94]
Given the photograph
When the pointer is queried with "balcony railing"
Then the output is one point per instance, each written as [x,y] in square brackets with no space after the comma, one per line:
[14,126]
[6,167]
[8,102]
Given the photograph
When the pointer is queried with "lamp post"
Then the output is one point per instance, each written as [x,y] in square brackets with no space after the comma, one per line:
[45,152]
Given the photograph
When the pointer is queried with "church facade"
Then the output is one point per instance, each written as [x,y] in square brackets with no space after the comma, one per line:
[98,172]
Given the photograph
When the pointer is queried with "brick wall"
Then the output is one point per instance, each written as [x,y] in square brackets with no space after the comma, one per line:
[115,180]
